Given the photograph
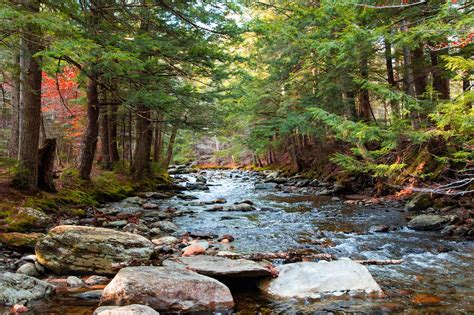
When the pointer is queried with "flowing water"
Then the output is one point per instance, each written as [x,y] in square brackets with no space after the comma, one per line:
[436,276]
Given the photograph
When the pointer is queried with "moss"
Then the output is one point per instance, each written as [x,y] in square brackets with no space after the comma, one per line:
[108,187]
[77,194]
[20,240]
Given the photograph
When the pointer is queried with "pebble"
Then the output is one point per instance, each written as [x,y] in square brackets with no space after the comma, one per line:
[74,282]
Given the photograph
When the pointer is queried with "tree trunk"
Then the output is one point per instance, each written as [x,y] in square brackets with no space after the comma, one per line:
[46,156]
[466,84]
[27,177]
[130,138]
[141,166]
[89,143]
[104,137]
[440,81]
[169,152]
[419,67]
[394,106]
[112,124]
[408,78]
[15,113]
[364,109]
[158,144]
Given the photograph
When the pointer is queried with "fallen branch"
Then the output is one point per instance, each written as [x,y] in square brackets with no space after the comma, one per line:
[380,262]
[297,257]
[287,257]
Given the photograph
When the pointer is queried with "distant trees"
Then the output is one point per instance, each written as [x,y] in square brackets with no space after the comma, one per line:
[362,79]
[139,65]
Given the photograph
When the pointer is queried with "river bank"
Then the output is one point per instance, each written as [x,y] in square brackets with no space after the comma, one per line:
[248,212]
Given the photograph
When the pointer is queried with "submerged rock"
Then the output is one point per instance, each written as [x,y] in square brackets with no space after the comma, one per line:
[18,288]
[170,289]
[134,309]
[428,222]
[196,186]
[220,267]
[311,279]
[89,250]
[263,186]
[241,207]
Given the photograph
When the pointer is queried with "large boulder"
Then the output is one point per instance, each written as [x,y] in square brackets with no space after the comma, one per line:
[313,279]
[419,202]
[134,309]
[220,267]
[89,250]
[168,289]
[427,222]
[17,288]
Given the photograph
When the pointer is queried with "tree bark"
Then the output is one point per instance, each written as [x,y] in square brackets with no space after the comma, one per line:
[440,80]
[27,177]
[364,109]
[420,74]
[89,143]
[112,124]
[394,106]
[46,156]
[141,166]
[104,137]
[408,78]
[15,113]
[169,152]
[158,144]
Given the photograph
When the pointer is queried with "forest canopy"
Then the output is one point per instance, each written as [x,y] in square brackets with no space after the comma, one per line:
[381,89]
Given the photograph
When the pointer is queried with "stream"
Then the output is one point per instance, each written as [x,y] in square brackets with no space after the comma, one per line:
[436,276]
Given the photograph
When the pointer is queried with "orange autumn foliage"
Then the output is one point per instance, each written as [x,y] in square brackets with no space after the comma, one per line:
[60,101]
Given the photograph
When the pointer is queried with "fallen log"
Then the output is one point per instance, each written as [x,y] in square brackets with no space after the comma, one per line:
[286,256]
[290,257]
[380,262]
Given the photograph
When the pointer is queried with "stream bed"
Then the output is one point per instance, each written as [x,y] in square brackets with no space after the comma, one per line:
[436,276]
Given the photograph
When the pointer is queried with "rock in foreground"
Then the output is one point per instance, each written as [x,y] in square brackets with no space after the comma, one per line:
[170,289]
[90,250]
[134,309]
[311,279]
[220,267]
[18,288]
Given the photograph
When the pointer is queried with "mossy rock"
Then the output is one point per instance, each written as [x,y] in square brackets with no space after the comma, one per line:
[27,219]
[20,240]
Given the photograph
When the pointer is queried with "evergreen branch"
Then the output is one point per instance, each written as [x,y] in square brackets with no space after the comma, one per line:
[399,6]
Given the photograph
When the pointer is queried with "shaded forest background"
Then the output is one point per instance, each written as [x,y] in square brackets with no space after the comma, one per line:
[374,91]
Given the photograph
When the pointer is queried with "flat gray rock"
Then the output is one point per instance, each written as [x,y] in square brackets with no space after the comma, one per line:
[220,267]
[134,309]
[312,279]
